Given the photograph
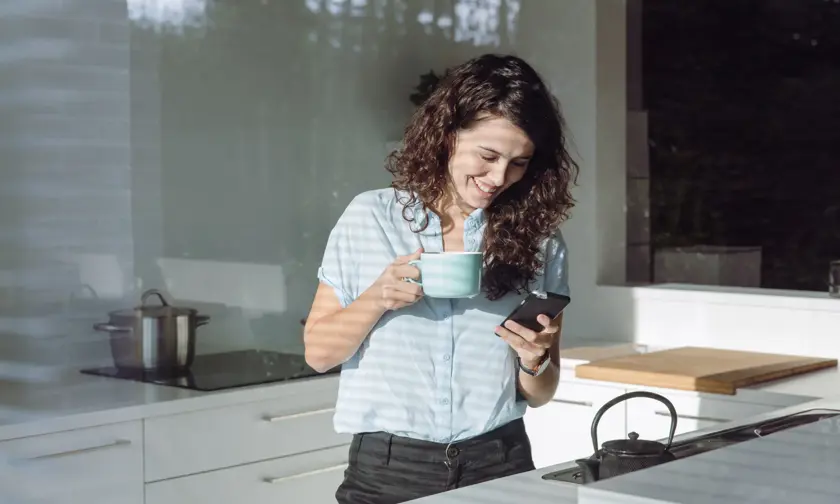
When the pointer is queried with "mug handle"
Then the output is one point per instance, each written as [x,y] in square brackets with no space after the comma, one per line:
[415,262]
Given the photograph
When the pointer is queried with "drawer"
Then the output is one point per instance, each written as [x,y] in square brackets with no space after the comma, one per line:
[99,465]
[206,440]
[651,418]
[576,392]
[311,478]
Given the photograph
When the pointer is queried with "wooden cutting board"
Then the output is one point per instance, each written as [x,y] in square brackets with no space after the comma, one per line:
[700,369]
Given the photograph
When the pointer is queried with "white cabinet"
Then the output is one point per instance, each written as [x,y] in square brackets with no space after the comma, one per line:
[310,478]
[98,465]
[268,451]
[200,441]
[560,430]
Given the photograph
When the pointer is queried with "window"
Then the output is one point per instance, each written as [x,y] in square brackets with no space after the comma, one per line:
[743,142]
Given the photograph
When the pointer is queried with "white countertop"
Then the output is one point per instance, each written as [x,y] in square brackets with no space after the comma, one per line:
[818,384]
[525,488]
[80,400]
[796,465]
[679,481]
[86,401]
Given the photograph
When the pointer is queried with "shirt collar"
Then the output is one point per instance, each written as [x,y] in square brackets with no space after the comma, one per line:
[473,223]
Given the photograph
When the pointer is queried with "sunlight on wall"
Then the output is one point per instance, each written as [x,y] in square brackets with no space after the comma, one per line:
[476,22]
[171,14]
[479,22]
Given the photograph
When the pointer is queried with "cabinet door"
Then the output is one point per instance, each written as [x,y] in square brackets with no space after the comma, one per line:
[206,440]
[99,465]
[560,430]
[310,478]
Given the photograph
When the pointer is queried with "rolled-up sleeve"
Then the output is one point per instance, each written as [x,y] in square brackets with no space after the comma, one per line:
[339,266]
[556,278]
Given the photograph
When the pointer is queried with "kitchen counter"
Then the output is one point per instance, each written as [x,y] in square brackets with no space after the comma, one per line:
[83,400]
[86,401]
[795,465]
[818,384]
[522,488]
[80,400]
[530,487]
[679,482]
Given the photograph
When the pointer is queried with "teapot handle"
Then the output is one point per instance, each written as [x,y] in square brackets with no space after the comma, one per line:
[631,395]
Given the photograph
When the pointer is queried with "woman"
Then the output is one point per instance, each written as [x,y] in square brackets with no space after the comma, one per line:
[434,400]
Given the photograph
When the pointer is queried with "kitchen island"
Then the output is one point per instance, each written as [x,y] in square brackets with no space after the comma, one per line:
[802,462]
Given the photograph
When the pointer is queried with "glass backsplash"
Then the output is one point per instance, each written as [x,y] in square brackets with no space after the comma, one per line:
[200,147]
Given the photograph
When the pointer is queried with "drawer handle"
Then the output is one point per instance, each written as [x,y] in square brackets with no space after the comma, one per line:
[297,415]
[691,417]
[119,442]
[281,479]
[573,403]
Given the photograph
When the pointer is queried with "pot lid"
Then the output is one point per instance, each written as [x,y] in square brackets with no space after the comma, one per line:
[634,446]
[145,309]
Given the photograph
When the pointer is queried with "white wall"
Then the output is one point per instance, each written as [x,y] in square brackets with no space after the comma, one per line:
[762,320]
[596,103]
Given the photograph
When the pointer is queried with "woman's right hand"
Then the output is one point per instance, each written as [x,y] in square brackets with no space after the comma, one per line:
[391,290]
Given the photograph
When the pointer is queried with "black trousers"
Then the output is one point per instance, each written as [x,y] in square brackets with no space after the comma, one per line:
[388,469]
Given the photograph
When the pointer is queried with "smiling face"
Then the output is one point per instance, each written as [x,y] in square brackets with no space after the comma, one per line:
[490,156]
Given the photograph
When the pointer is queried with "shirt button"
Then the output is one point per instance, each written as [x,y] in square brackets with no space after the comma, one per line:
[446,357]
[444,401]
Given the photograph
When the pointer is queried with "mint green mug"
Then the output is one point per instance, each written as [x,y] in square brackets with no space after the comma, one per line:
[449,274]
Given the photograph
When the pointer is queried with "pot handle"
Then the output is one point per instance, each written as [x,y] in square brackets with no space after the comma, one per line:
[201,320]
[153,292]
[631,395]
[105,327]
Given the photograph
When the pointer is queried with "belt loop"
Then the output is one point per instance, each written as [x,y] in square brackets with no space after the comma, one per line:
[505,448]
[388,452]
[355,448]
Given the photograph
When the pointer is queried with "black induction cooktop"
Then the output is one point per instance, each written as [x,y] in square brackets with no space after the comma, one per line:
[220,371]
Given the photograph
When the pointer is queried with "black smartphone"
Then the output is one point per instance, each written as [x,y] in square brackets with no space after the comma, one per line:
[537,303]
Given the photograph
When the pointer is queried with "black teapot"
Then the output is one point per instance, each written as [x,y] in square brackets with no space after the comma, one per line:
[622,456]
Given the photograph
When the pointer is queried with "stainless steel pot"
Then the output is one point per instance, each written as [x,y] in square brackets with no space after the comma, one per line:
[159,337]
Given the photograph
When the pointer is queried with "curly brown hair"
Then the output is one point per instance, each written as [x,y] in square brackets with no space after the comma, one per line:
[521,218]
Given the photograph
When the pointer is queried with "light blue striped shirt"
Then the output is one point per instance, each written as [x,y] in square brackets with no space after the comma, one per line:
[435,370]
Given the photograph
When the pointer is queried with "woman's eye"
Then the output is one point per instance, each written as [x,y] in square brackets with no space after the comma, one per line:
[489,159]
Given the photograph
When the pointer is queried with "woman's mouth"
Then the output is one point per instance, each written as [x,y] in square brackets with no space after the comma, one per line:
[486,190]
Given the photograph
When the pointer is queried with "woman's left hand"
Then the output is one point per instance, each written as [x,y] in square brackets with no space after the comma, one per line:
[530,345]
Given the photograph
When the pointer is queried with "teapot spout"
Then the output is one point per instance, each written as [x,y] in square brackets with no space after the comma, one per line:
[588,469]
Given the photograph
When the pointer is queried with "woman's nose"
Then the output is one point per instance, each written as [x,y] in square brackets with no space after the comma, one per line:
[497,175]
